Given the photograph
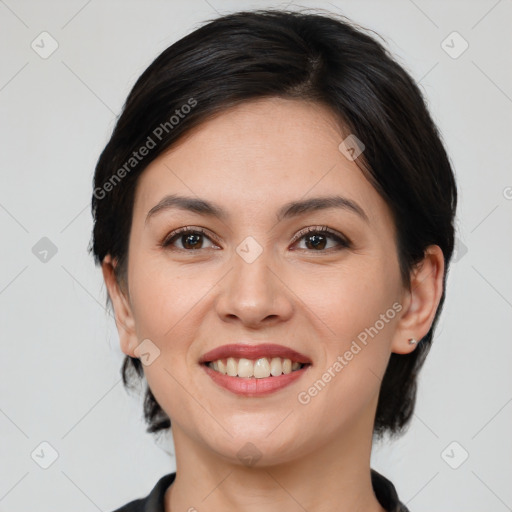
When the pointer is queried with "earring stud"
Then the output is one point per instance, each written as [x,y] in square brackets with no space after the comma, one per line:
[412,341]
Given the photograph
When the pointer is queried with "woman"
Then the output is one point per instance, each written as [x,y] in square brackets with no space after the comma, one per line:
[273,216]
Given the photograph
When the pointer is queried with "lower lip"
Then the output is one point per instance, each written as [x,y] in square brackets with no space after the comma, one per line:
[252,386]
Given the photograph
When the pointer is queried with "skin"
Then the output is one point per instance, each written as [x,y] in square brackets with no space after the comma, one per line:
[251,160]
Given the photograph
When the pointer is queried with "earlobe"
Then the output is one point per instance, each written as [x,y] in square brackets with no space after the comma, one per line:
[420,302]
[122,310]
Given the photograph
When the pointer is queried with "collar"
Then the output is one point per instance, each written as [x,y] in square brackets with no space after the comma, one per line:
[384,491]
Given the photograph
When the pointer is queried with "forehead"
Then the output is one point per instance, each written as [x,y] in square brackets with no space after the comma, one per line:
[258,156]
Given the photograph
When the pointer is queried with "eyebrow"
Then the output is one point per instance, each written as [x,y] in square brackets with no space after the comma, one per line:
[288,210]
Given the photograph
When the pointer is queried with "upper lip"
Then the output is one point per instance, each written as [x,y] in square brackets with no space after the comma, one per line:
[238,351]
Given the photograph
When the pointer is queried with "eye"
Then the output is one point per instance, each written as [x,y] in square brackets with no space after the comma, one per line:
[190,238]
[316,237]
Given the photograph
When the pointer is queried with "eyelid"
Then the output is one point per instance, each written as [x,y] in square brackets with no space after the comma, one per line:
[173,234]
[342,240]
[324,230]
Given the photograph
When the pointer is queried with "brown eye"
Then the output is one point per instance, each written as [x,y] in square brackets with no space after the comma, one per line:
[316,239]
[190,239]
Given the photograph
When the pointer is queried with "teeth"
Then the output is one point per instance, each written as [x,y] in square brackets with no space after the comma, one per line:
[232,367]
[260,368]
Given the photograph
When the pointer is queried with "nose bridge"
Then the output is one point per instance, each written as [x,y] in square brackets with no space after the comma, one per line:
[252,278]
[253,292]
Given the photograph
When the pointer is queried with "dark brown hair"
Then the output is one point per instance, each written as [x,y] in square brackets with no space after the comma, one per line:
[315,57]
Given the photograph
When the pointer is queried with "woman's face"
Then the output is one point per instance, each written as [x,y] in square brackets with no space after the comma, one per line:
[248,280]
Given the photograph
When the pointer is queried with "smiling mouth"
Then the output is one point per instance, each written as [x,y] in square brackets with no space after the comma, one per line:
[260,368]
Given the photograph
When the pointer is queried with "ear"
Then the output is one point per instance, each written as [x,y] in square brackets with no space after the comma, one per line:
[123,313]
[421,301]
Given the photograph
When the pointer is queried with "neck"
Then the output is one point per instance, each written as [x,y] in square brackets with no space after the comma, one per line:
[334,476]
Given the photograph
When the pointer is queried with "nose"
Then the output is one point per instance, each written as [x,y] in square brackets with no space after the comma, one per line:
[254,293]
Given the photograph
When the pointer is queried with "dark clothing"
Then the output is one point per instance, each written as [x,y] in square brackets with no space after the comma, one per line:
[154,502]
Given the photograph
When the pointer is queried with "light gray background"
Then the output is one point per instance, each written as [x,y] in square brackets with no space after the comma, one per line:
[60,366]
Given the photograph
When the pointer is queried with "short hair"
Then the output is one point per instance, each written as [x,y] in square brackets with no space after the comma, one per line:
[315,57]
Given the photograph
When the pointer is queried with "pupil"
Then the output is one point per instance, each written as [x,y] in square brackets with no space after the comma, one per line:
[194,237]
[317,243]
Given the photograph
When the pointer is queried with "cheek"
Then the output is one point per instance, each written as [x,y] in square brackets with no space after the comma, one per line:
[162,294]
[355,306]
[350,300]
[356,314]
[163,301]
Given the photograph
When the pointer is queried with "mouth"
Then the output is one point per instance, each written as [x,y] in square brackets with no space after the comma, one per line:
[261,368]
[254,370]
[259,361]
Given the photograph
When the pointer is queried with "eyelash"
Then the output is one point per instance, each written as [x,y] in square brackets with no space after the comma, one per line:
[323,230]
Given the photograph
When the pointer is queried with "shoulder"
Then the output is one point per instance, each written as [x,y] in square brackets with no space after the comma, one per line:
[154,501]
[386,493]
